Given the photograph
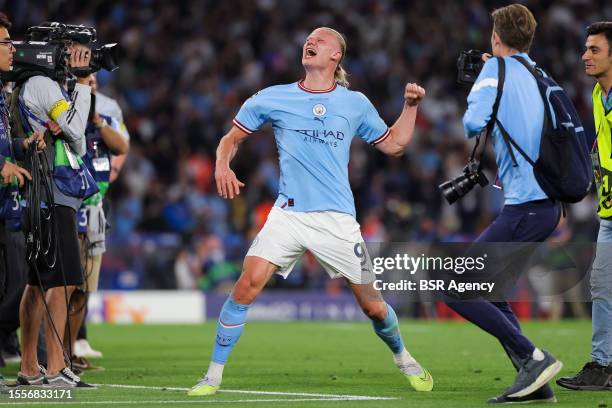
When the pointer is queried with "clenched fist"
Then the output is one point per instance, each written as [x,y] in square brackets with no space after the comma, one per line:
[413,94]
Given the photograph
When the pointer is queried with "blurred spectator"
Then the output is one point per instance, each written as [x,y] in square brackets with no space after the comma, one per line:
[190,64]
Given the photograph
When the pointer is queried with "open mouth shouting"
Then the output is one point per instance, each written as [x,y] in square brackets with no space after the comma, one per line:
[310,52]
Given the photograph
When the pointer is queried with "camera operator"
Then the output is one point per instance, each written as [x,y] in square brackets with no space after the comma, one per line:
[49,106]
[528,214]
[106,137]
[12,175]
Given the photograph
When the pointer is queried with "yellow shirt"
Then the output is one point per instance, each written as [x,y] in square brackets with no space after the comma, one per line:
[602,154]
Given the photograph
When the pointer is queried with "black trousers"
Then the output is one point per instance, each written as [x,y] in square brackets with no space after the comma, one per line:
[528,222]
[16,279]
[3,260]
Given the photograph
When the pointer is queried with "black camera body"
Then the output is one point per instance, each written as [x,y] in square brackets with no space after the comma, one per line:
[46,57]
[456,188]
[46,51]
[469,65]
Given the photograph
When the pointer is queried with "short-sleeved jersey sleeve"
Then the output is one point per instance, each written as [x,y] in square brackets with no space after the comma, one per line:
[253,113]
[372,128]
[109,107]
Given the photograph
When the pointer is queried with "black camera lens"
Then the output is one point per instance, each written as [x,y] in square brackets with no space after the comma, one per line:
[448,191]
[106,57]
[456,188]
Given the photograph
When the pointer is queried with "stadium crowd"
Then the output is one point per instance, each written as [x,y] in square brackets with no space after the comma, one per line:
[189,65]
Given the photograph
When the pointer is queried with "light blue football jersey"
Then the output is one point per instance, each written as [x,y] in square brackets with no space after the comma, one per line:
[313,132]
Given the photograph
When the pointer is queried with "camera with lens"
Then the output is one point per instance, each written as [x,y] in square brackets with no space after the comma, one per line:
[456,188]
[469,65]
[46,51]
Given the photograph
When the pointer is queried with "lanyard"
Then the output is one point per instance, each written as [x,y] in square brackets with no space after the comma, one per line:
[6,123]
[25,111]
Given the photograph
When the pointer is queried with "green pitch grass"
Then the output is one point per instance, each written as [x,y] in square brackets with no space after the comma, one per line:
[468,366]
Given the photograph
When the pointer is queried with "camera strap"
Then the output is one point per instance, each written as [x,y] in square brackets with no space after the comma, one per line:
[501,77]
[508,140]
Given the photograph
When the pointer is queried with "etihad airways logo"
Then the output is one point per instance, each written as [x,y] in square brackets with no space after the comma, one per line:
[322,136]
[325,136]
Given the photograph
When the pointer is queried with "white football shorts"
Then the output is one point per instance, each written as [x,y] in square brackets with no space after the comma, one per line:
[333,238]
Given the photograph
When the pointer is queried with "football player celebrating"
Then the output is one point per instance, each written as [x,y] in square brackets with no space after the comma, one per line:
[314,121]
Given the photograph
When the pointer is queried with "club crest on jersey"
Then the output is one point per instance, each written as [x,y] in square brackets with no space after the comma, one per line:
[319,109]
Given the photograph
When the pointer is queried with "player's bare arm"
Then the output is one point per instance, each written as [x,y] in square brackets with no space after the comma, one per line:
[402,130]
[228,185]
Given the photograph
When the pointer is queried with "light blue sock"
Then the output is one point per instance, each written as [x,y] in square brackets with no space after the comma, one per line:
[388,331]
[229,328]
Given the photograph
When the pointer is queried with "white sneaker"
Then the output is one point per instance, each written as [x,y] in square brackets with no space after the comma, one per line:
[12,358]
[83,349]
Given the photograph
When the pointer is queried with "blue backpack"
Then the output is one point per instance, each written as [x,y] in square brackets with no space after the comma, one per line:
[563,169]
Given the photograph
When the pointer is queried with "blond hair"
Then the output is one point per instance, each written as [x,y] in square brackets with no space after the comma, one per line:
[340,75]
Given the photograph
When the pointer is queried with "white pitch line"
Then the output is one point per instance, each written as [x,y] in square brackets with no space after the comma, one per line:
[289,394]
[195,401]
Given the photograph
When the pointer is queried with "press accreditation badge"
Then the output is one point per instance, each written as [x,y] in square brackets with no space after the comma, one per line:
[101,164]
[72,159]
[596,164]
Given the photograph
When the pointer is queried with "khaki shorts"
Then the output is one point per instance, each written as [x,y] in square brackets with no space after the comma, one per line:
[333,238]
[91,268]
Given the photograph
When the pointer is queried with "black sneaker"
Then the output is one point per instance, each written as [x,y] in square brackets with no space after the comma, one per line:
[3,387]
[65,379]
[28,380]
[592,377]
[543,394]
[532,375]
